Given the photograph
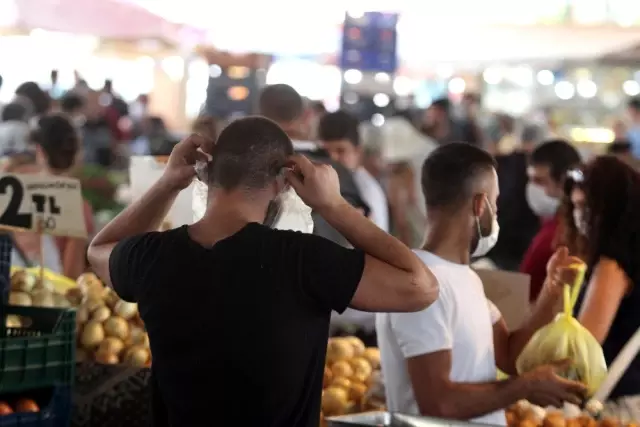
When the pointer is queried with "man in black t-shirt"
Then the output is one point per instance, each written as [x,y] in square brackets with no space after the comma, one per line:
[238,313]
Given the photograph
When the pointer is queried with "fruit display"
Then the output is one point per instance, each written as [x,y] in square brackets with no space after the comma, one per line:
[109,330]
[524,414]
[351,378]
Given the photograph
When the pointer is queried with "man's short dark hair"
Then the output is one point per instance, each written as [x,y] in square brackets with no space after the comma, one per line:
[15,111]
[558,155]
[619,146]
[443,104]
[281,103]
[250,152]
[634,103]
[337,126]
[451,172]
[71,102]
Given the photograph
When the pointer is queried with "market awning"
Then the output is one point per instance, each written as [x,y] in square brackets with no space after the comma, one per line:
[105,19]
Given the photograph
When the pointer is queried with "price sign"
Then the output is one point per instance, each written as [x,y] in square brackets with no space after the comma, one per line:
[44,204]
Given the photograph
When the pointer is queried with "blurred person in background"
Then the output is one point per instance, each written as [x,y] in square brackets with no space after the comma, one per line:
[283,104]
[316,111]
[340,137]
[14,129]
[471,129]
[339,133]
[1,81]
[438,123]
[373,162]
[530,137]
[619,129]
[97,134]
[155,139]
[206,126]
[633,131]
[602,207]
[621,148]
[115,109]
[57,151]
[39,99]
[548,167]
[508,141]
[407,220]
[73,104]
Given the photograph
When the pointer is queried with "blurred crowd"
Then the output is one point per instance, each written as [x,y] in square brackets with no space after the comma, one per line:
[549,194]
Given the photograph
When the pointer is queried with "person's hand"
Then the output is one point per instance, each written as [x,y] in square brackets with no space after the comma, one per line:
[180,169]
[546,388]
[558,271]
[316,184]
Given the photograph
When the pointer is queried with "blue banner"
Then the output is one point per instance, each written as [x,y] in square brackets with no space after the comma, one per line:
[369,42]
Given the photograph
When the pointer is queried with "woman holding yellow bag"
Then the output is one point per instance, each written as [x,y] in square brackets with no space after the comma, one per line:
[602,220]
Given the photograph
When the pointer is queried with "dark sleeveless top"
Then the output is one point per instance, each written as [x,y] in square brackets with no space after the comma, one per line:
[625,324]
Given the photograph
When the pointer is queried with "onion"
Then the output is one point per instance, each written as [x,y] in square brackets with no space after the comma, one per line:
[126,310]
[101,314]
[20,298]
[42,298]
[116,326]
[82,315]
[22,281]
[60,301]
[92,335]
[13,321]
[137,355]
[106,358]
[92,304]
[111,345]
[75,296]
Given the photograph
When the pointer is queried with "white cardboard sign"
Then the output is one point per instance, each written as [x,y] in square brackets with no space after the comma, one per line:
[144,171]
[509,291]
[43,204]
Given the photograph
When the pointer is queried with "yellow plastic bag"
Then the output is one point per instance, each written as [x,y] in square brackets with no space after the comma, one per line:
[566,338]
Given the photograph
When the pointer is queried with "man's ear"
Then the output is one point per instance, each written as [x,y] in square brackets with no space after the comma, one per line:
[479,204]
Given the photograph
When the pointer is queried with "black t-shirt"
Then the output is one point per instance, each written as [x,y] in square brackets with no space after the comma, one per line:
[239,330]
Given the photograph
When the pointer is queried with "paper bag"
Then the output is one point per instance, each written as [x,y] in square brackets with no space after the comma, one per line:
[144,171]
[509,291]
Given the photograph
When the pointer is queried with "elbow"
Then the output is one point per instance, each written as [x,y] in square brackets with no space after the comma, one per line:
[425,290]
[439,409]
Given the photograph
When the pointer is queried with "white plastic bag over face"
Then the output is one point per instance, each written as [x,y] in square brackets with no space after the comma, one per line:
[293,213]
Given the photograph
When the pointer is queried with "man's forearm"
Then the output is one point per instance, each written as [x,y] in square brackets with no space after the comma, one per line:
[543,313]
[364,234]
[463,401]
[144,215]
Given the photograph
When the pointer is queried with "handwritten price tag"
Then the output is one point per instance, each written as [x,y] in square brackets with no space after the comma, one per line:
[45,204]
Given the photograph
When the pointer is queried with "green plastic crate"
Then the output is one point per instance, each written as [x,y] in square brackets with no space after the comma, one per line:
[41,353]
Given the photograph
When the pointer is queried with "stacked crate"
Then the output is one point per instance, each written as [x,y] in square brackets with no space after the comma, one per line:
[37,359]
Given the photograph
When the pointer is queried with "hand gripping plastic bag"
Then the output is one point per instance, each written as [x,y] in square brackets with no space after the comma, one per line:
[566,338]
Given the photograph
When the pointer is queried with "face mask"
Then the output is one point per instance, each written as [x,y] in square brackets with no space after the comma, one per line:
[286,212]
[541,204]
[486,243]
[578,220]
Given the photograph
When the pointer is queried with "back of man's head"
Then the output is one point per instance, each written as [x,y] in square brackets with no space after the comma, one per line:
[556,154]
[454,173]
[71,103]
[15,111]
[249,154]
[281,103]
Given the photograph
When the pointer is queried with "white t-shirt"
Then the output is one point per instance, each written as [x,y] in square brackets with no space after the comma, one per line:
[374,197]
[461,320]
